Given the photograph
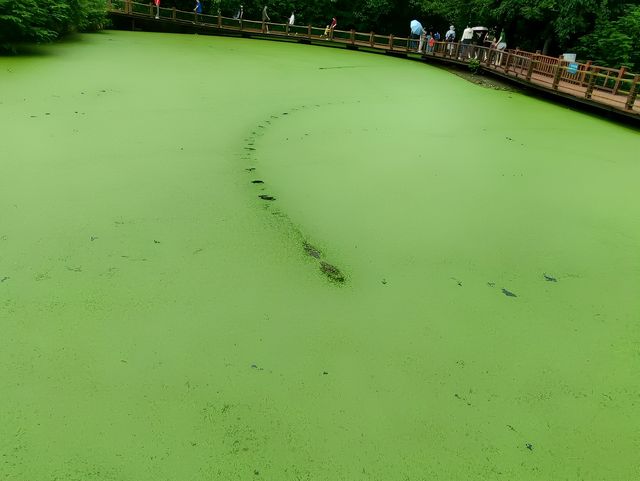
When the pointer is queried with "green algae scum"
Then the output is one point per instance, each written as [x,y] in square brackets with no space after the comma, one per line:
[229,259]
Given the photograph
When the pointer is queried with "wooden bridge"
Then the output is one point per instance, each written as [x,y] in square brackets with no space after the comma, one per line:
[605,89]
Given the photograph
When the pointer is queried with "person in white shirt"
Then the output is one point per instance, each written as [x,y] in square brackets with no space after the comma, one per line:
[467,38]
[291,22]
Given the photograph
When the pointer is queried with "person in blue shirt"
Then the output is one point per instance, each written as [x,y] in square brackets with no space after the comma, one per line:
[198,9]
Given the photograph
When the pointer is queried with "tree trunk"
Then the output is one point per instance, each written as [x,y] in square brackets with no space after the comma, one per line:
[547,44]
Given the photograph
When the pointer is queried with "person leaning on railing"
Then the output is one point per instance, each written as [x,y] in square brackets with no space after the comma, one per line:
[501,46]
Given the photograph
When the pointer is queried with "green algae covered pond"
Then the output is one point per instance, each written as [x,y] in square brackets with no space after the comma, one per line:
[440,281]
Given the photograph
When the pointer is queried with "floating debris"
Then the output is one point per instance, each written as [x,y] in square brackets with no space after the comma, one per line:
[257,181]
[529,446]
[508,293]
[93,238]
[491,284]
[549,278]
[266,197]
[156,241]
[312,251]
[332,272]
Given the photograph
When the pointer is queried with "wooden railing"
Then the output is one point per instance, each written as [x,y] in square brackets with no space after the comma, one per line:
[615,88]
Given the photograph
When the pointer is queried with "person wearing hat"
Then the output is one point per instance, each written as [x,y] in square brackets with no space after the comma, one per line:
[450,37]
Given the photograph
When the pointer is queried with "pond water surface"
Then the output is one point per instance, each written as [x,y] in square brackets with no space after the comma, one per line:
[230,259]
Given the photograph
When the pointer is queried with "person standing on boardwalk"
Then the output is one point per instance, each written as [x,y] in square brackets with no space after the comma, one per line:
[431,41]
[501,46]
[291,22]
[265,19]
[334,24]
[239,14]
[467,37]
[157,4]
[450,37]
[198,9]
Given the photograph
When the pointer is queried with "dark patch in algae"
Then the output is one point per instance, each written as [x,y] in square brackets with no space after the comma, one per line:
[312,251]
[508,293]
[332,272]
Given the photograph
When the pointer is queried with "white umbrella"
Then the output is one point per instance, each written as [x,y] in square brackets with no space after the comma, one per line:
[480,29]
[416,27]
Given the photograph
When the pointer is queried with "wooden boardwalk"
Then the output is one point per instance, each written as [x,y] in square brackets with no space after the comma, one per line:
[605,89]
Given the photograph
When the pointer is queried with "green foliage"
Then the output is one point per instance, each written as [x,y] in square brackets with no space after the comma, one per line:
[46,20]
[606,31]
[474,65]
[616,42]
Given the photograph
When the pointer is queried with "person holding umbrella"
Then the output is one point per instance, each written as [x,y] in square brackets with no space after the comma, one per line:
[416,31]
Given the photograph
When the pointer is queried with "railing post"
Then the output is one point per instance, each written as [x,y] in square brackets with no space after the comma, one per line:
[557,74]
[621,73]
[372,39]
[391,42]
[633,93]
[173,14]
[506,66]
[353,37]
[532,61]
[219,20]
[286,28]
[309,31]
[587,67]
[151,9]
[489,56]
[591,84]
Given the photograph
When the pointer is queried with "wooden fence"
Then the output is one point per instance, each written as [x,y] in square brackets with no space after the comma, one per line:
[610,87]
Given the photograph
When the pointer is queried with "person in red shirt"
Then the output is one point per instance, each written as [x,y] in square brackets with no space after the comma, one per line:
[333,25]
[157,4]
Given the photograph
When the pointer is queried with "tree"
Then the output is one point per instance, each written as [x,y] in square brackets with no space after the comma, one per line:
[614,42]
[46,20]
